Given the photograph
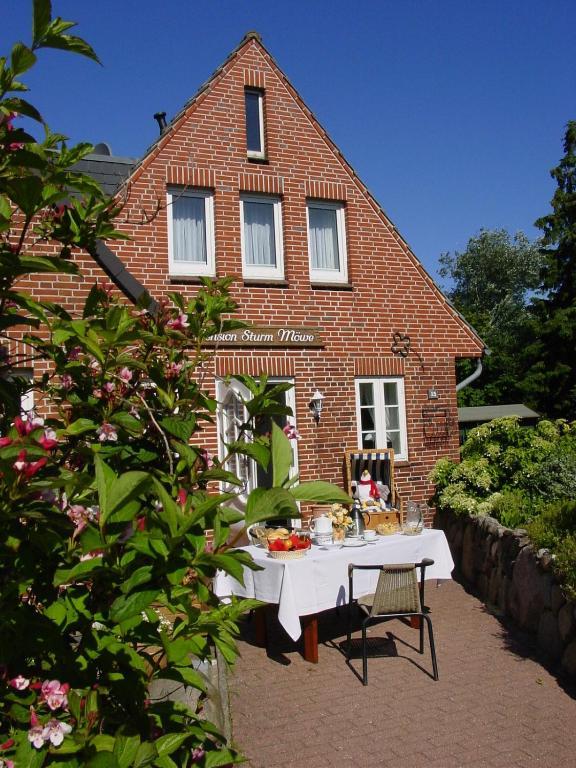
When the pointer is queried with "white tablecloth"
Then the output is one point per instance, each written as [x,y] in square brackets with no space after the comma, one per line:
[319,580]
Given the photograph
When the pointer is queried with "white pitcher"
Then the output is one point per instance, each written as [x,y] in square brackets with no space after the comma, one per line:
[321,527]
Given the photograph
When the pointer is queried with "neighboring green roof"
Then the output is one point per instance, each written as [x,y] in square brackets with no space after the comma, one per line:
[489,412]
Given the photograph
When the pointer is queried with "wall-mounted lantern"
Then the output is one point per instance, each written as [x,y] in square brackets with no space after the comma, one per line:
[315,405]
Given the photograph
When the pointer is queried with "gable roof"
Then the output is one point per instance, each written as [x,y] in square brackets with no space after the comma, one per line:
[253,38]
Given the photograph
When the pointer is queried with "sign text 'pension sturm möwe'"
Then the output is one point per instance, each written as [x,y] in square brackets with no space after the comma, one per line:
[269,336]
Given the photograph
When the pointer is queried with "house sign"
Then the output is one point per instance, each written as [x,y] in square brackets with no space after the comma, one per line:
[269,336]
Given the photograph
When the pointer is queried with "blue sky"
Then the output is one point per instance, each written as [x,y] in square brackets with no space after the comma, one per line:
[451,111]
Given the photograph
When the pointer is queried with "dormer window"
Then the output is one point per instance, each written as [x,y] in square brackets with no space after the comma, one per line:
[254,104]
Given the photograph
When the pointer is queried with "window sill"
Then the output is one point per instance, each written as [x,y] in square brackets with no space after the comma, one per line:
[194,279]
[264,282]
[258,160]
[331,286]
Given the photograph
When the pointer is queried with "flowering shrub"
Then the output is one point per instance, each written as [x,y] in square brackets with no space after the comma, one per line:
[105,501]
[522,477]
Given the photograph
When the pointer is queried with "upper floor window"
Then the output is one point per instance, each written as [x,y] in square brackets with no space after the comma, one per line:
[327,242]
[254,107]
[191,232]
[261,237]
[381,415]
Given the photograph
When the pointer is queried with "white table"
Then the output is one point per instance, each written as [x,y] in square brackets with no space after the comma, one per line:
[319,580]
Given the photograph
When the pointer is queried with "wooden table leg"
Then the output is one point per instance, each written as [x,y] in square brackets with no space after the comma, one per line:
[260,627]
[310,633]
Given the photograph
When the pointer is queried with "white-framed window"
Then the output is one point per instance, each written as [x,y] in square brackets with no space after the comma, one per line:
[254,109]
[191,245]
[327,242]
[261,237]
[232,416]
[381,414]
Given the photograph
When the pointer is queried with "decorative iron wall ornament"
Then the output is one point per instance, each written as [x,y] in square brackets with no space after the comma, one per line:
[400,344]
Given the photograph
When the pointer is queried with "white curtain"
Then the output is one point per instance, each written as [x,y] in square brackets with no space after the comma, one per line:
[259,233]
[323,238]
[189,229]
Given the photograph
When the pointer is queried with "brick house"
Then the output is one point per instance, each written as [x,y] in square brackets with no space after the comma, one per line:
[246,182]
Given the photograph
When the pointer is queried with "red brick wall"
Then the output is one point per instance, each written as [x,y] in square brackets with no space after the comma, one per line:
[390,290]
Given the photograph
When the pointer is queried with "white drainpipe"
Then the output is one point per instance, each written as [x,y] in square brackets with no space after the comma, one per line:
[473,376]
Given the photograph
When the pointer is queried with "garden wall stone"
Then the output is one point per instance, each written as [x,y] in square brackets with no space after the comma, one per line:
[515,581]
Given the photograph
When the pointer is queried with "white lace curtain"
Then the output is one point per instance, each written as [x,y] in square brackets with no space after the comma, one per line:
[259,245]
[323,238]
[189,229]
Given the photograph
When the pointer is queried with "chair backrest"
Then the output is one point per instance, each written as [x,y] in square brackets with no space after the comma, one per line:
[379,463]
[397,590]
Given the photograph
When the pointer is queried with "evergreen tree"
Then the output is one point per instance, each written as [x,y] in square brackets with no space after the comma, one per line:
[550,361]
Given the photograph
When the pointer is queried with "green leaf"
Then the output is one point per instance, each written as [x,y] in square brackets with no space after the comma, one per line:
[125,750]
[221,757]
[125,607]
[257,451]
[80,571]
[70,43]
[124,489]
[22,58]
[103,760]
[281,456]
[103,743]
[27,755]
[22,107]
[140,576]
[104,479]
[267,503]
[41,20]
[320,491]
[182,428]
[145,755]
[127,422]
[169,743]
[80,426]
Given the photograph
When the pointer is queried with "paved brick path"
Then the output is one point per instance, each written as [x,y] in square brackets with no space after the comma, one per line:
[494,706]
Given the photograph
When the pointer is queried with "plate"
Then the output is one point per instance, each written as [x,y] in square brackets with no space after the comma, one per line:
[330,545]
[354,543]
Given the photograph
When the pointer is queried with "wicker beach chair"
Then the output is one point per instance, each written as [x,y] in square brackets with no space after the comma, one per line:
[398,595]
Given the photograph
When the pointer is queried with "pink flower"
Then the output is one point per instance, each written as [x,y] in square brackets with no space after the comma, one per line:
[197,754]
[182,496]
[20,683]
[54,731]
[109,387]
[94,367]
[107,432]
[4,441]
[290,432]
[48,440]
[92,555]
[66,381]
[179,323]
[206,458]
[75,353]
[36,736]
[54,693]
[97,393]
[5,763]
[125,375]
[34,466]
[20,464]
[81,516]
[173,370]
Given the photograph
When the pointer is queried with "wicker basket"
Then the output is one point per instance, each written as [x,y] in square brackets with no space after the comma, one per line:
[289,554]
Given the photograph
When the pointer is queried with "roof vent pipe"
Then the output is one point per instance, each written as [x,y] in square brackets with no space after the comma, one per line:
[473,376]
[160,118]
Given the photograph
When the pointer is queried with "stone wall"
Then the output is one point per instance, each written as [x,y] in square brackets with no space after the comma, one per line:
[506,572]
